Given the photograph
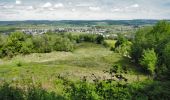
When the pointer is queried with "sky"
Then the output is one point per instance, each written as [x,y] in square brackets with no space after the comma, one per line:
[84,9]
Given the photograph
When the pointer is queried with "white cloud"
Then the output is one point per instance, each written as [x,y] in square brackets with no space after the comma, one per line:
[18,2]
[83,5]
[51,9]
[134,6]
[94,8]
[47,5]
[83,9]
[30,8]
[117,10]
[70,3]
[73,10]
[59,5]
[8,6]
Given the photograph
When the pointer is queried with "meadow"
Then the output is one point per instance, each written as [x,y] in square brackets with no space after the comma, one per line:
[87,59]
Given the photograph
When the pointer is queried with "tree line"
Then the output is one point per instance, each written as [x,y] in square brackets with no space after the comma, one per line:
[21,43]
[151,49]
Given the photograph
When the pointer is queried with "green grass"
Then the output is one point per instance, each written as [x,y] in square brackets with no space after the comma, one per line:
[87,59]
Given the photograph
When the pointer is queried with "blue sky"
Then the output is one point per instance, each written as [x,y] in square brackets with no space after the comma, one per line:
[84,9]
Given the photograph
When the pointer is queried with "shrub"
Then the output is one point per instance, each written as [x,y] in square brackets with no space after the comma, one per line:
[149,60]
[63,44]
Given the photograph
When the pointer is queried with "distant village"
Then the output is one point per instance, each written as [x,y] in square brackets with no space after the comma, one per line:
[89,30]
[105,32]
[34,31]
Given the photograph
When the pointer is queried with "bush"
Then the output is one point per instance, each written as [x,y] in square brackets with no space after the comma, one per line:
[63,44]
[123,46]
[114,87]
[99,39]
[30,92]
[157,38]
[10,93]
[149,60]
[20,43]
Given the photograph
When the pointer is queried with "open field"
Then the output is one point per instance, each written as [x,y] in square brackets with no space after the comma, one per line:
[88,58]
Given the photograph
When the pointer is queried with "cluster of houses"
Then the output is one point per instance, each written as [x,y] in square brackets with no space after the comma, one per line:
[88,30]
[36,31]
[105,32]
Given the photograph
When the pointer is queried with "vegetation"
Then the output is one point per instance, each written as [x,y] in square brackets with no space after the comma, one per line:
[20,43]
[122,46]
[90,71]
[155,39]
[149,60]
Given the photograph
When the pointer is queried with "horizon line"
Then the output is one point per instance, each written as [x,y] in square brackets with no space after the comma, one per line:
[83,20]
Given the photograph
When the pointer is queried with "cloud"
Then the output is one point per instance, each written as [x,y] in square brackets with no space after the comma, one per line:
[70,3]
[94,8]
[59,5]
[8,6]
[117,10]
[83,9]
[73,10]
[83,5]
[134,6]
[51,9]
[18,2]
[30,8]
[47,5]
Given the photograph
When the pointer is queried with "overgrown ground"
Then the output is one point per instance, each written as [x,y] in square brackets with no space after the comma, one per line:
[87,59]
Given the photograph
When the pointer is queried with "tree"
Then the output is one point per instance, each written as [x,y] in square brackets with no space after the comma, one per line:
[99,39]
[63,44]
[166,55]
[121,40]
[139,43]
[27,46]
[149,60]
[123,46]
[41,44]
[13,44]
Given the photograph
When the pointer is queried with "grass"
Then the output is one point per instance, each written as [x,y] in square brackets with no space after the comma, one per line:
[87,59]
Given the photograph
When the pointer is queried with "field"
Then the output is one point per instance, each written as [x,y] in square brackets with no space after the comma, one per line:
[87,59]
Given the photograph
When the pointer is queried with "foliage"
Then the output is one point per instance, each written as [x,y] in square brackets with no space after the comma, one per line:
[122,46]
[99,39]
[106,89]
[121,40]
[84,90]
[109,43]
[10,93]
[63,44]
[27,46]
[20,43]
[90,38]
[30,92]
[149,60]
[156,38]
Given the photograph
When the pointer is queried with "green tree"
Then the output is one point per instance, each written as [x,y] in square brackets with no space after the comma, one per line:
[166,58]
[139,43]
[13,44]
[63,44]
[99,39]
[149,60]
[27,46]
[121,40]
[123,46]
